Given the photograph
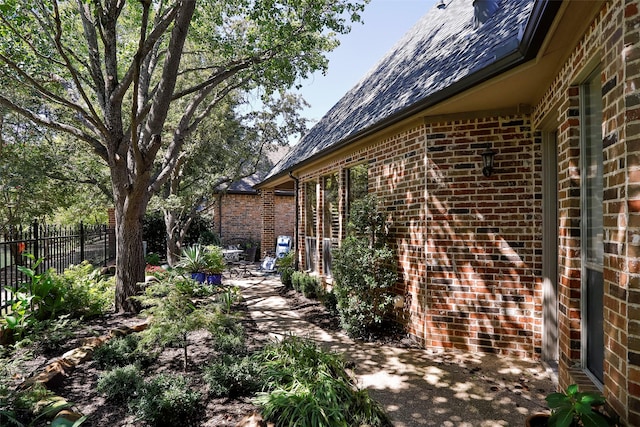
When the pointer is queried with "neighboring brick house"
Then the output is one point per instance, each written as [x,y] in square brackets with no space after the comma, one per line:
[238,211]
[542,257]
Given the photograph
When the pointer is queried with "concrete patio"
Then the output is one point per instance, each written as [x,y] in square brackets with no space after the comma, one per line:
[416,387]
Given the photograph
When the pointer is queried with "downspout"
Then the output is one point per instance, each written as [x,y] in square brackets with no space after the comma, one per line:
[295,230]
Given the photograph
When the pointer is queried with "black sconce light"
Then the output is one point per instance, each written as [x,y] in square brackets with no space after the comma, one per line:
[487,161]
[441,5]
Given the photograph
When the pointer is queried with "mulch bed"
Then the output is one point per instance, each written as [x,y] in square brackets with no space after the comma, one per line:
[80,387]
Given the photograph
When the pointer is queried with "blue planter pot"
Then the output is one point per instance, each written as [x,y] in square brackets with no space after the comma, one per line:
[214,279]
[198,277]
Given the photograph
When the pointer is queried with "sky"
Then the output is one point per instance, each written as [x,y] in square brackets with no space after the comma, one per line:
[384,22]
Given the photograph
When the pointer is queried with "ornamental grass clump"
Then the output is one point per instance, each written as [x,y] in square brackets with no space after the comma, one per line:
[310,387]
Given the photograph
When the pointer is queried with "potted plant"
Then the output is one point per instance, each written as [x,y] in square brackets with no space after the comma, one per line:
[214,264]
[193,260]
[572,409]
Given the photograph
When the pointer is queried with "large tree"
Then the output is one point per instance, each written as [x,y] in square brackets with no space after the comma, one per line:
[110,72]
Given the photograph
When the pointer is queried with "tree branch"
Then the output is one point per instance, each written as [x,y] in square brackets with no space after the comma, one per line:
[61,127]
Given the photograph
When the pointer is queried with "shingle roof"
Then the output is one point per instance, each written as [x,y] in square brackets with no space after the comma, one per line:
[246,185]
[441,50]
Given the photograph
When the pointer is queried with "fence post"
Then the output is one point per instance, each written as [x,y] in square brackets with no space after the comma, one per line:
[81,241]
[36,240]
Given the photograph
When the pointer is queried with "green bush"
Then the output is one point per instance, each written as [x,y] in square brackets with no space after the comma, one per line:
[364,270]
[167,400]
[233,376]
[310,387]
[306,284]
[228,334]
[286,268]
[122,351]
[121,384]
[88,293]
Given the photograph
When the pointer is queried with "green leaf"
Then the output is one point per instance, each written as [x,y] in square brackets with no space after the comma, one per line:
[556,400]
[594,419]
[572,389]
[12,322]
[561,418]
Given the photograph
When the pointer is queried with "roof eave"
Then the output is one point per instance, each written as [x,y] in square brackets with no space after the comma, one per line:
[540,20]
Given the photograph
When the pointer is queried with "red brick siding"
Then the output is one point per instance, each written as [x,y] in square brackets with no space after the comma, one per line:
[482,296]
[484,237]
[239,216]
[268,241]
[285,219]
[612,41]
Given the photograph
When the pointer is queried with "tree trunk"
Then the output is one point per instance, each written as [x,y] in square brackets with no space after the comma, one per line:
[173,241]
[130,262]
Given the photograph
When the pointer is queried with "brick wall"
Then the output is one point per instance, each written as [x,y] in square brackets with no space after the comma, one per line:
[483,290]
[239,216]
[469,258]
[611,43]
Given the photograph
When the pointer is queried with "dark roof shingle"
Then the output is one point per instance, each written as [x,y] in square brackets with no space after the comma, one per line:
[442,49]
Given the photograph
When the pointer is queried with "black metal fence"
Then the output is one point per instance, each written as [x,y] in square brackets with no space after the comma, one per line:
[58,246]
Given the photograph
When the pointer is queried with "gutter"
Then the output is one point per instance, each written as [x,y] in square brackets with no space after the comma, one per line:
[540,20]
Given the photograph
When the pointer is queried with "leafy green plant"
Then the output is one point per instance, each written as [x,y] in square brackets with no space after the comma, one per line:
[364,277]
[122,351]
[20,314]
[227,297]
[364,270]
[121,384]
[228,334]
[152,258]
[232,376]
[172,317]
[167,400]
[286,268]
[193,259]
[310,387]
[575,408]
[87,292]
[213,260]
[47,292]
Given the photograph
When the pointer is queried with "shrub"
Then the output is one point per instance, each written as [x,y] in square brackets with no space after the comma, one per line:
[228,334]
[233,376]
[306,284]
[166,400]
[171,318]
[122,351]
[364,277]
[364,270]
[121,384]
[310,387]
[88,293]
[286,268]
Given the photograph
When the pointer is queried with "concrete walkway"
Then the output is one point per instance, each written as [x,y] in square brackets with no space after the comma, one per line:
[416,387]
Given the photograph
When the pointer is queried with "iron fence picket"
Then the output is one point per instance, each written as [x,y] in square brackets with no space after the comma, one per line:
[58,246]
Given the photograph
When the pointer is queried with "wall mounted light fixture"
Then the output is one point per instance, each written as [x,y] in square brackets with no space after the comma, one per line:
[487,161]
[441,5]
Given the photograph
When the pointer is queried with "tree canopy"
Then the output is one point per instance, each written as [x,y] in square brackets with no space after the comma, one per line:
[109,74]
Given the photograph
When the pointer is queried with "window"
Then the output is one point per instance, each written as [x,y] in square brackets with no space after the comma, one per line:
[311,215]
[592,248]
[331,220]
[357,183]
[311,202]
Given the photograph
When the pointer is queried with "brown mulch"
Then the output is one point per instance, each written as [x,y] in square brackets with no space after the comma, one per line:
[80,386]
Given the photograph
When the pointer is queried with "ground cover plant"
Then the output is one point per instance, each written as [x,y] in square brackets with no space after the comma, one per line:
[200,362]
